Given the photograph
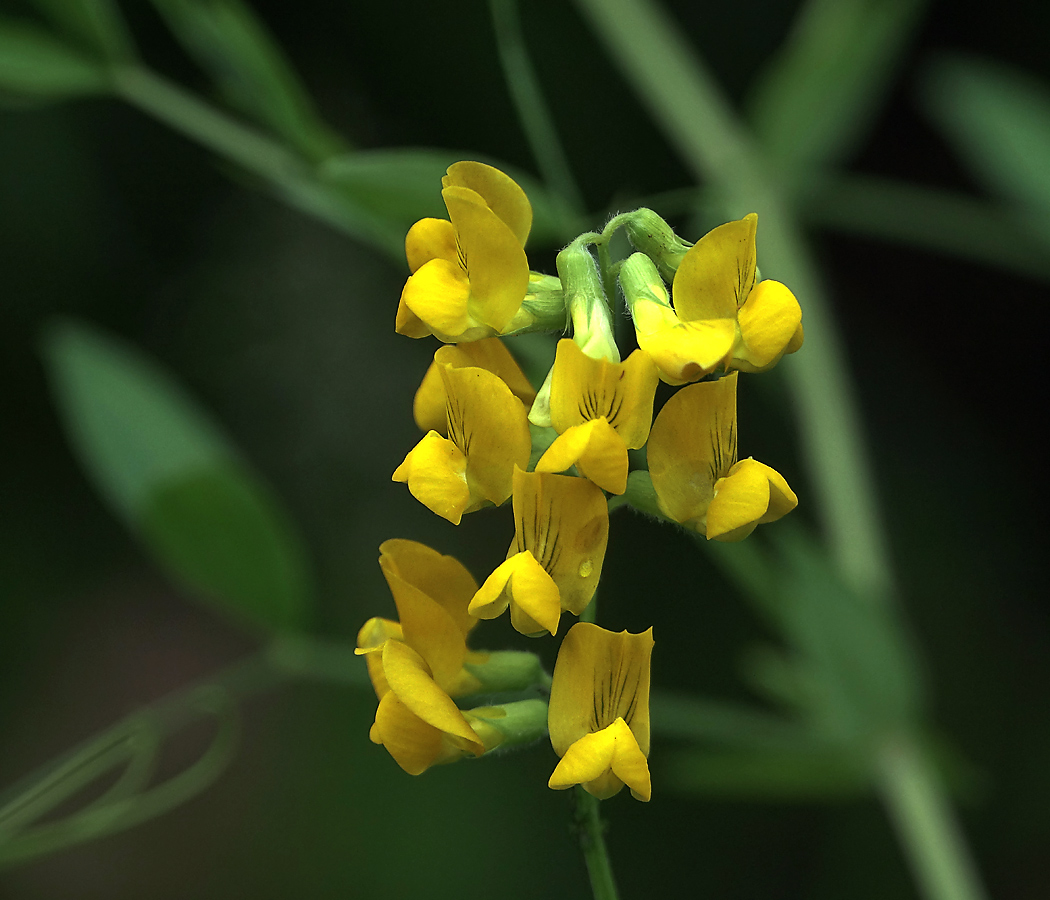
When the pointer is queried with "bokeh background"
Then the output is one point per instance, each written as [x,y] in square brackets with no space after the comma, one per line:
[283,329]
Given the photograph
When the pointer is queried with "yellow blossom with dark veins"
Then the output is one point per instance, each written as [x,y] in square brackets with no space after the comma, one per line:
[428,408]
[600,409]
[488,435]
[561,528]
[699,482]
[599,711]
[469,272]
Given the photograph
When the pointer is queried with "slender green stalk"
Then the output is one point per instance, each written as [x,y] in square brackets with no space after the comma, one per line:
[536,119]
[590,830]
[293,177]
[925,826]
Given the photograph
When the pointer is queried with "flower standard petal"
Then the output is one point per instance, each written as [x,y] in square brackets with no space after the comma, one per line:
[428,408]
[492,257]
[564,522]
[600,676]
[490,427]
[432,592]
[717,273]
[501,193]
[692,444]
[584,388]
[436,473]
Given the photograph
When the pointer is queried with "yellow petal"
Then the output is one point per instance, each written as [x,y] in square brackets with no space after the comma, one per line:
[692,445]
[439,576]
[432,592]
[683,351]
[407,322]
[603,762]
[414,744]
[564,522]
[438,294]
[410,679]
[740,500]
[428,408]
[500,192]
[717,273]
[584,388]
[521,583]
[430,239]
[781,498]
[600,676]
[370,640]
[768,321]
[496,266]
[595,449]
[435,471]
[795,344]
[490,427]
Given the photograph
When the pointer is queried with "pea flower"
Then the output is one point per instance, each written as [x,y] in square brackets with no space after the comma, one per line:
[720,316]
[488,434]
[419,664]
[699,482]
[561,528]
[469,272]
[599,409]
[599,711]
[428,408]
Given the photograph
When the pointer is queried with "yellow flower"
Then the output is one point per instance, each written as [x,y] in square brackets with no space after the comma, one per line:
[599,711]
[428,409]
[488,434]
[599,409]
[720,316]
[418,665]
[692,454]
[469,275]
[561,528]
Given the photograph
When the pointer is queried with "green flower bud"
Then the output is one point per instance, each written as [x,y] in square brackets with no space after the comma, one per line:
[506,670]
[651,235]
[587,304]
[640,281]
[510,724]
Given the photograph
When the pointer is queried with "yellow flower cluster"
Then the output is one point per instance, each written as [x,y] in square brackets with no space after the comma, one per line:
[557,453]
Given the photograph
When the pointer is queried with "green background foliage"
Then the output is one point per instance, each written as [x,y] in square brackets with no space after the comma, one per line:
[241,302]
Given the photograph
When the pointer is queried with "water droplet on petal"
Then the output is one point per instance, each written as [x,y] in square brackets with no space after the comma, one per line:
[586,567]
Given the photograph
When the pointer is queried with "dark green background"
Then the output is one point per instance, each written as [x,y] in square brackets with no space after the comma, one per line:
[284,330]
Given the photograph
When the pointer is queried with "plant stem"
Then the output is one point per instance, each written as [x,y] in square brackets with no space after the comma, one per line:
[536,119]
[590,831]
[295,179]
[925,826]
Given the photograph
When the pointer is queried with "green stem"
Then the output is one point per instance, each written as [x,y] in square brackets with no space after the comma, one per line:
[294,178]
[536,119]
[914,799]
[590,831]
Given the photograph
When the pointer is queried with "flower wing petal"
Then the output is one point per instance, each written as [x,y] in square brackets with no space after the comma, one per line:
[435,471]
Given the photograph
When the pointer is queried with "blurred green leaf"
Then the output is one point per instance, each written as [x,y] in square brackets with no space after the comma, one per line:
[816,97]
[848,666]
[392,189]
[250,70]
[175,481]
[998,121]
[35,63]
[97,23]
